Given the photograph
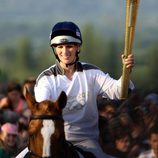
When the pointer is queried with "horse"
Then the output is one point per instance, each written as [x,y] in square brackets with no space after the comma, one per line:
[46,130]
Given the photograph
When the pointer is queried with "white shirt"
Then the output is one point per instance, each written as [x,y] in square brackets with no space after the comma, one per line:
[22,153]
[147,154]
[80,114]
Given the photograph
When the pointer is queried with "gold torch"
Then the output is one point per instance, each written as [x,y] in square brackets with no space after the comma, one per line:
[130,23]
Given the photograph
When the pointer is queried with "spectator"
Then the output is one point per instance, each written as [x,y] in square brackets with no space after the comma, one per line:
[5,103]
[107,111]
[122,143]
[107,108]
[153,142]
[6,111]
[9,139]
[23,131]
[14,92]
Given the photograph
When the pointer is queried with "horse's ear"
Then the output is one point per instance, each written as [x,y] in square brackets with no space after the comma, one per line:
[29,98]
[62,100]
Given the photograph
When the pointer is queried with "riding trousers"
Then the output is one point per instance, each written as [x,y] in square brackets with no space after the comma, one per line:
[92,146]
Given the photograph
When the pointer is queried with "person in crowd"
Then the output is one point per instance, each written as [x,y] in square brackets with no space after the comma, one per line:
[122,143]
[107,111]
[14,93]
[9,140]
[23,131]
[107,108]
[6,111]
[5,103]
[153,142]
[82,82]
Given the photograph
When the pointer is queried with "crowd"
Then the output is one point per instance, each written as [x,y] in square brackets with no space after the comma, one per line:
[14,118]
[128,129]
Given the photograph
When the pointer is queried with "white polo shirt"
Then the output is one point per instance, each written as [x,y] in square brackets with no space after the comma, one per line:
[80,114]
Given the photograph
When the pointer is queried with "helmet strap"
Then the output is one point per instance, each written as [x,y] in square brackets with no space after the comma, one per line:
[55,54]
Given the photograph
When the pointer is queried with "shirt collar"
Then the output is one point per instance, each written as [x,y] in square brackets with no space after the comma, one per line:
[152,154]
[60,70]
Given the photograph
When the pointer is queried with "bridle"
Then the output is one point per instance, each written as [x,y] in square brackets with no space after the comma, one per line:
[51,117]
[42,117]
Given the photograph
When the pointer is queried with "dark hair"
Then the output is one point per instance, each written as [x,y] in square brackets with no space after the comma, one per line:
[121,133]
[153,130]
[102,103]
[14,86]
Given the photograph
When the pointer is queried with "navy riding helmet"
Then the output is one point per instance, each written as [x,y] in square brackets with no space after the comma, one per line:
[65,32]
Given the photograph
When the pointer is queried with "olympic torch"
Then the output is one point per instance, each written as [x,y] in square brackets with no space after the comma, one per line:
[130,23]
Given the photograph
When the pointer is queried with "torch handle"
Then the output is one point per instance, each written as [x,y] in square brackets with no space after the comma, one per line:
[130,23]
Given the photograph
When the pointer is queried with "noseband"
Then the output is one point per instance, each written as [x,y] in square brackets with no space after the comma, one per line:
[42,117]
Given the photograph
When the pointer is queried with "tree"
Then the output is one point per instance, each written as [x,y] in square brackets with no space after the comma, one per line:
[112,57]
[152,63]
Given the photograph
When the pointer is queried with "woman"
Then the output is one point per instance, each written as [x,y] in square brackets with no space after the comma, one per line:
[82,83]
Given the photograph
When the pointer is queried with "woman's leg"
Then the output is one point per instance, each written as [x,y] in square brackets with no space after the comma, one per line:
[92,146]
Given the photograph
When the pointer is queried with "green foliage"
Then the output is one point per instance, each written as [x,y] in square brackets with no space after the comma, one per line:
[98,50]
[22,59]
[24,55]
[152,64]
[3,76]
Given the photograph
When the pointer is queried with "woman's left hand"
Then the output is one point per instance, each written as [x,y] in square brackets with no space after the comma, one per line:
[129,61]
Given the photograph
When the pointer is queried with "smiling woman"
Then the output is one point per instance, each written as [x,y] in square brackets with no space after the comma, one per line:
[67,53]
[82,82]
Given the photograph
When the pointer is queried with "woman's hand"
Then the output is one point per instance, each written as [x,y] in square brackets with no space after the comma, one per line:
[129,61]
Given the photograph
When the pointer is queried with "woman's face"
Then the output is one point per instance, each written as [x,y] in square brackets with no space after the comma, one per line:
[123,144]
[66,53]
[10,140]
[154,142]
[14,96]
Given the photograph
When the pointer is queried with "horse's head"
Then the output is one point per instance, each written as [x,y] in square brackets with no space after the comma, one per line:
[46,124]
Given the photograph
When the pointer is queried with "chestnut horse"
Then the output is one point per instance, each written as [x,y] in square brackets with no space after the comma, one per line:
[46,130]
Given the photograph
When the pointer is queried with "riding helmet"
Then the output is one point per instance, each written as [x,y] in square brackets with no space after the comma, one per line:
[65,32]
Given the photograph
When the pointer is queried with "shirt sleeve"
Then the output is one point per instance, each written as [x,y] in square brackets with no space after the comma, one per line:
[42,89]
[109,87]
